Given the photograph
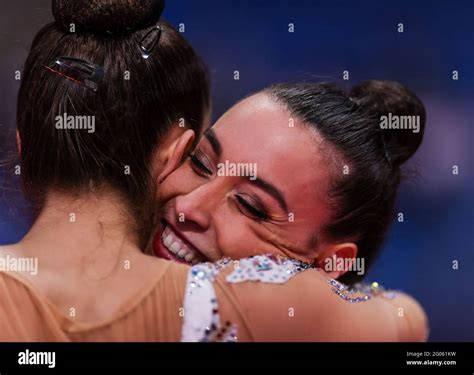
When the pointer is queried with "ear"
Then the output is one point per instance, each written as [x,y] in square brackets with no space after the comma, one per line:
[176,152]
[18,142]
[337,259]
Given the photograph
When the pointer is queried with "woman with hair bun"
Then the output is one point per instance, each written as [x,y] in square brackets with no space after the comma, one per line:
[134,75]
[325,176]
[335,168]
[95,190]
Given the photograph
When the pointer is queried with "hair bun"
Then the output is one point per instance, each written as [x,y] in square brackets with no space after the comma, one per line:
[107,15]
[389,98]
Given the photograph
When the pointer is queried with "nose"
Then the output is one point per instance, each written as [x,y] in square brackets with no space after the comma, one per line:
[194,208]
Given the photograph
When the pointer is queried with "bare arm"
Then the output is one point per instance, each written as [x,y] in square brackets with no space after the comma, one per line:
[306,308]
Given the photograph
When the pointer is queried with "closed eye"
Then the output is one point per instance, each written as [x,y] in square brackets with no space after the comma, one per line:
[252,209]
[199,162]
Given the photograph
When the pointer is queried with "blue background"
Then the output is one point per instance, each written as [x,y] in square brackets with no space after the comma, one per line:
[330,37]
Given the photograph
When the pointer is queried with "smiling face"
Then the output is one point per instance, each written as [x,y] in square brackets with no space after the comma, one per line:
[256,184]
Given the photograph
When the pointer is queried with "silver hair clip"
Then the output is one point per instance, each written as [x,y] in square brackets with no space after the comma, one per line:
[150,40]
[78,71]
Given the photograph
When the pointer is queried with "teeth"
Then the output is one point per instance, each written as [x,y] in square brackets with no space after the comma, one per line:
[174,244]
[168,240]
[175,247]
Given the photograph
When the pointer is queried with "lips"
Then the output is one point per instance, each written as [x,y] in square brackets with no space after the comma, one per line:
[171,245]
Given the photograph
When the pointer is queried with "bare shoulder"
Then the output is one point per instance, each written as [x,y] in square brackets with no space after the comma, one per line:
[7,249]
[272,301]
[309,306]
[416,326]
[11,250]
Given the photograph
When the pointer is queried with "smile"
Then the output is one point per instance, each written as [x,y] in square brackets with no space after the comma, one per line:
[172,245]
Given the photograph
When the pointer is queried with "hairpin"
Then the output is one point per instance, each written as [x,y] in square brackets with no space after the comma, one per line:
[79,71]
[150,40]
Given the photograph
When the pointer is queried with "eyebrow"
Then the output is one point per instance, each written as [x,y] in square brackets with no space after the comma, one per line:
[265,185]
[215,144]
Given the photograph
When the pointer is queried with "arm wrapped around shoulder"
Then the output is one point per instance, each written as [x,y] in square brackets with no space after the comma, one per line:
[306,307]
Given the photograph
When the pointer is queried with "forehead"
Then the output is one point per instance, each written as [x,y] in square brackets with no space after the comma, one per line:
[286,152]
[259,115]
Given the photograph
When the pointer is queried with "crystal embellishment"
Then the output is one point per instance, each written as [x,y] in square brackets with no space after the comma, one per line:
[201,319]
[360,292]
[266,268]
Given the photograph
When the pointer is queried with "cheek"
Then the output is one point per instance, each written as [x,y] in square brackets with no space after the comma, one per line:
[237,239]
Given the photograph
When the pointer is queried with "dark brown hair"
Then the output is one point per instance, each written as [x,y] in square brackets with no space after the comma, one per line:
[363,199]
[131,115]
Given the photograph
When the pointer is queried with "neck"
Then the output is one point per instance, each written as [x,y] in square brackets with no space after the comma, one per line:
[92,228]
